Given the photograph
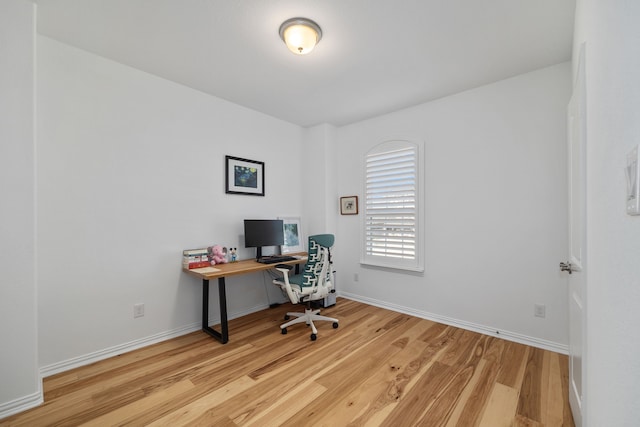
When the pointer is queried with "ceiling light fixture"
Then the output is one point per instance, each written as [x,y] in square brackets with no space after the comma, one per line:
[300,35]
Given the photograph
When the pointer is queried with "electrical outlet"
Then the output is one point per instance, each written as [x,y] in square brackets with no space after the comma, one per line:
[355,277]
[138,310]
[540,310]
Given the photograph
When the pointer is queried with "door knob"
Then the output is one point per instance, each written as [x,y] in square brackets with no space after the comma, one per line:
[566,266]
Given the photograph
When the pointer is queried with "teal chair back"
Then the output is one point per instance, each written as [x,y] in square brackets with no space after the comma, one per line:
[313,267]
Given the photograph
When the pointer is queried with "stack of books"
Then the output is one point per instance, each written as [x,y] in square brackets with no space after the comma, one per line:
[195,258]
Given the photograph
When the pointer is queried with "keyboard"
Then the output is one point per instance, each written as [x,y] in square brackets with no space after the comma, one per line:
[275,259]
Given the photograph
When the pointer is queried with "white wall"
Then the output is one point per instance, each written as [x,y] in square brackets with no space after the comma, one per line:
[612,35]
[495,208]
[20,385]
[130,173]
[319,204]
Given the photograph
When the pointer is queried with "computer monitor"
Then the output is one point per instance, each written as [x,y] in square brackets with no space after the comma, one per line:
[262,232]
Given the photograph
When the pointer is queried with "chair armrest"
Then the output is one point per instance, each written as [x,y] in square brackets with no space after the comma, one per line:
[284,268]
[284,283]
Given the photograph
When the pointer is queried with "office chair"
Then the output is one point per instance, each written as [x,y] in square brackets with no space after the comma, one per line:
[314,283]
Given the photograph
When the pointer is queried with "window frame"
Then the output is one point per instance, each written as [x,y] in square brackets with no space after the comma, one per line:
[394,262]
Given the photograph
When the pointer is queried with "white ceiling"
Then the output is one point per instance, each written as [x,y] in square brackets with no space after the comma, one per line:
[375,56]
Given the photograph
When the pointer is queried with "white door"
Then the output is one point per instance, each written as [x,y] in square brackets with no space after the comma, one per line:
[576,118]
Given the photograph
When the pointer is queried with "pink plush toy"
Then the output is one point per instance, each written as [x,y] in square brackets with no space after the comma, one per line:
[217,254]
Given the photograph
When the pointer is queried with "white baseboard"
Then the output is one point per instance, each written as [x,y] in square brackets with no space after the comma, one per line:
[22,404]
[482,329]
[96,356]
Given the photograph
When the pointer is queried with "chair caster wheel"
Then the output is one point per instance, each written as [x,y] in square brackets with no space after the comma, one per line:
[284,331]
[335,325]
[313,337]
[286,317]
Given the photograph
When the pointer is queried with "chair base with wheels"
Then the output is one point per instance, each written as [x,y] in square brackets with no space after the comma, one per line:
[307,317]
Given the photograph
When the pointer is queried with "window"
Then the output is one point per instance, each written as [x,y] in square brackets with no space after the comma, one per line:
[392,208]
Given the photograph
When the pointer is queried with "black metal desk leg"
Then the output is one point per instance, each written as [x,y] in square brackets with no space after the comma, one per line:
[223,336]
[224,324]
[205,304]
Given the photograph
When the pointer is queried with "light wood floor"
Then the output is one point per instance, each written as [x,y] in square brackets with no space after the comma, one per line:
[379,368]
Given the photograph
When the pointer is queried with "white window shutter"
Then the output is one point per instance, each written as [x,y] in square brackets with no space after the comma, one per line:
[391,209]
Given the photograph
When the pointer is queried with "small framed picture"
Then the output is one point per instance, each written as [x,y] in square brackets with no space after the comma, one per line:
[244,176]
[293,240]
[349,205]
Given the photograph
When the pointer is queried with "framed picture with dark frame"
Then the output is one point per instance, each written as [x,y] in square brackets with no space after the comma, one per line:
[244,176]
[349,205]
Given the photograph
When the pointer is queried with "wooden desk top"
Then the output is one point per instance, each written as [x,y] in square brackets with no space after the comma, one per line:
[242,267]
